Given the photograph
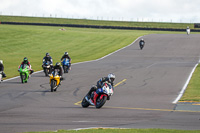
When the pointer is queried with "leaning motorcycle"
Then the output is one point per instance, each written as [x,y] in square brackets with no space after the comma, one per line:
[65,64]
[54,80]
[24,73]
[141,45]
[47,67]
[104,94]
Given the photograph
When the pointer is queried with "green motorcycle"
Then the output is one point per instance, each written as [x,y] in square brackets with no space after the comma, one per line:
[24,73]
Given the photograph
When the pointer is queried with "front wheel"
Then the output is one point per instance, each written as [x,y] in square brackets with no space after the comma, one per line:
[141,47]
[53,85]
[101,102]
[23,77]
[84,103]
[65,68]
[46,71]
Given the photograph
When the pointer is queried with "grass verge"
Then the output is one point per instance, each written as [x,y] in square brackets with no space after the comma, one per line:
[83,44]
[192,92]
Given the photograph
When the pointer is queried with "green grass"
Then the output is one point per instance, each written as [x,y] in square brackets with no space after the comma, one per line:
[100,130]
[192,92]
[95,22]
[83,44]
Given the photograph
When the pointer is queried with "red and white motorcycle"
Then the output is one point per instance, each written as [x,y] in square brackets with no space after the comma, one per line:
[104,94]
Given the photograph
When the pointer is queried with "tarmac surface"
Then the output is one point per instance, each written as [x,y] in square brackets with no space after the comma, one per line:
[147,82]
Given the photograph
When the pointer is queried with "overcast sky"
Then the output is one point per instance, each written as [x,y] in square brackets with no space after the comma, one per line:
[123,10]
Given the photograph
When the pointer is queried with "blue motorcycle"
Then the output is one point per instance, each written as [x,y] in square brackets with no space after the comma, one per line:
[66,65]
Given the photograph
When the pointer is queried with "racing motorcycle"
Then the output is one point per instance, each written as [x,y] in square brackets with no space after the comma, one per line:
[65,64]
[24,73]
[141,45]
[54,80]
[1,76]
[47,67]
[104,94]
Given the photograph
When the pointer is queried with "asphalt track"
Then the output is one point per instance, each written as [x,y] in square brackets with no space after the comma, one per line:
[147,82]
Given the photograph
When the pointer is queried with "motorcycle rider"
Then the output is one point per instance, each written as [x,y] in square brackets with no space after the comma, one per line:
[25,61]
[110,79]
[142,40]
[66,55]
[48,58]
[188,30]
[2,69]
[59,69]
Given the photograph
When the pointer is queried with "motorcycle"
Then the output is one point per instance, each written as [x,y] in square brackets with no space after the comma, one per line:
[47,67]
[141,45]
[54,80]
[24,73]
[1,76]
[104,94]
[65,64]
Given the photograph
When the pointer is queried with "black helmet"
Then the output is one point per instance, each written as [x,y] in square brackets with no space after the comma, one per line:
[111,77]
[66,53]
[47,54]
[57,63]
[25,60]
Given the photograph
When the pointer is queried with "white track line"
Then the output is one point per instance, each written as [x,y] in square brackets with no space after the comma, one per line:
[186,84]
[84,61]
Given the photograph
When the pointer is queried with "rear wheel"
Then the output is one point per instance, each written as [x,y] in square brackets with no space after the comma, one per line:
[84,103]
[101,102]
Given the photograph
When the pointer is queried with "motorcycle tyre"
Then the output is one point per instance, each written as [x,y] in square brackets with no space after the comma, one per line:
[84,103]
[46,71]
[141,47]
[53,85]
[22,78]
[100,103]
[65,68]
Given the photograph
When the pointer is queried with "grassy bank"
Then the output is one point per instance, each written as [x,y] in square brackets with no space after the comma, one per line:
[192,92]
[95,22]
[122,131]
[17,42]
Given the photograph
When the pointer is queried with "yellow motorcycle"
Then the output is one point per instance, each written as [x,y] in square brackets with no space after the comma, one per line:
[54,81]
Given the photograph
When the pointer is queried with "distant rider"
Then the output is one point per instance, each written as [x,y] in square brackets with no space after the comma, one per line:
[188,30]
[59,69]
[142,40]
[25,61]
[110,79]
[66,55]
[46,59]
[2,69]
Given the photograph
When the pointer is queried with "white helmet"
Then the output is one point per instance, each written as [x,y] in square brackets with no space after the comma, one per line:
[111,77]
[66,53]
[1,62]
